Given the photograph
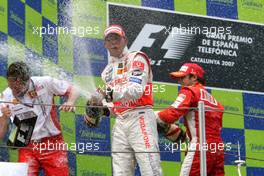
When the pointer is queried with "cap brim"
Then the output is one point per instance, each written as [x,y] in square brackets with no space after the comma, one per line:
[114,31]
[118,33]
[177,74]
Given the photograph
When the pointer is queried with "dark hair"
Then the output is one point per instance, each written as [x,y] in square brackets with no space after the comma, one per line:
[200,80]
[18,70]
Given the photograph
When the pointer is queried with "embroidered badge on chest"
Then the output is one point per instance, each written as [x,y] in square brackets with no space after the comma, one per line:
[121,68]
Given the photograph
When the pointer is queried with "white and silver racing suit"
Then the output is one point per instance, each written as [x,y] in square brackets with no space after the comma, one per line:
[135,129]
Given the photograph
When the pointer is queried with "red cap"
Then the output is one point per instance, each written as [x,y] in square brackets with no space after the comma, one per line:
[188,68]
[114,29]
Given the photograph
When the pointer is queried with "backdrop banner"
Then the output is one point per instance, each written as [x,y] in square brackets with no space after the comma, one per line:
[230,52]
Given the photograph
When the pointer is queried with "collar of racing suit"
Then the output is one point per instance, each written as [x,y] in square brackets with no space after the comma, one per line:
[198,84]
[121,57]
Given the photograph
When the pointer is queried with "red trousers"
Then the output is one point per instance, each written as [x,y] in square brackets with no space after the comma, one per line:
[47,155]
[214,162]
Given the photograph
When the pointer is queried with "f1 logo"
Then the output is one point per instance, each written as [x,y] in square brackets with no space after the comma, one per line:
[175,43]
[143,39]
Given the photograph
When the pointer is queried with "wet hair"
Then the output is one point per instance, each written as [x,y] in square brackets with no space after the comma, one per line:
[19,70]
[200,80]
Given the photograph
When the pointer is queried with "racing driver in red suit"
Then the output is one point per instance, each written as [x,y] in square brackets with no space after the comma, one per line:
[191,78]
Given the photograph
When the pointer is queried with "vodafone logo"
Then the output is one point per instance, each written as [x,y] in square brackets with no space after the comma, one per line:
[174,43]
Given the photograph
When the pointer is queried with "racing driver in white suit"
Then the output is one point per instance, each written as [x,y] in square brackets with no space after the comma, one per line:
[128,79]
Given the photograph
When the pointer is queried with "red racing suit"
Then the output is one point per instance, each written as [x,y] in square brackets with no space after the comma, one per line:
[189,97]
